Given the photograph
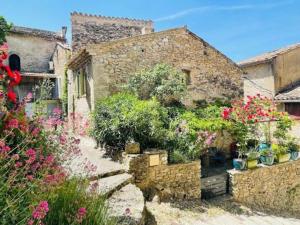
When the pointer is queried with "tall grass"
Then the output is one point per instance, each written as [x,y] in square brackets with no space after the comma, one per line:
[65,201]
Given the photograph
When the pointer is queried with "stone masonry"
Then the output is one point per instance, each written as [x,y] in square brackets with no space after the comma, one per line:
[275,188]
[92,29]
[212,74]
[177,181]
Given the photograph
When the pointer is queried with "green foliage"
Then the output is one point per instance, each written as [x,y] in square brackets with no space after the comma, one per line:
[66,199]
[267,152]
[210,111]
[4,28]
[188,133]
[253,155]
[178,157]
[283,125]
[279,149]
[65,93]
[293,145]
[164,82]
[123,117]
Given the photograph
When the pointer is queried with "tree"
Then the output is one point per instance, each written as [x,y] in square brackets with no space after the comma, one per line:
[4,28]
[162,81]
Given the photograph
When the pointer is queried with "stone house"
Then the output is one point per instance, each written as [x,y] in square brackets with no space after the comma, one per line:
[38,54]
[275,75]
[100,69]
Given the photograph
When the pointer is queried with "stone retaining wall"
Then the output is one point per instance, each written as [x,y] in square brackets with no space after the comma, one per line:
[177,181]
[275,188]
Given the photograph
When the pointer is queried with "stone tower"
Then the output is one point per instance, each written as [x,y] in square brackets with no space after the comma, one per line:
[92,29]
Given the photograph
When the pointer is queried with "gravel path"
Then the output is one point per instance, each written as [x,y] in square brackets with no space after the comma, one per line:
[217,212]
[90,154]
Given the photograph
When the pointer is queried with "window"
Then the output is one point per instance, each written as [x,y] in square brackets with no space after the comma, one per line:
[187,73]
[81,83]
[14,62]
[293,108]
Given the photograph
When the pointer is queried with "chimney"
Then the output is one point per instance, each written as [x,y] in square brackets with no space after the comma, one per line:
[63,32]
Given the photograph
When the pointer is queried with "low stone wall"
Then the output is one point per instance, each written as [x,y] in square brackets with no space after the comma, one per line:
[275,188]
[176,181]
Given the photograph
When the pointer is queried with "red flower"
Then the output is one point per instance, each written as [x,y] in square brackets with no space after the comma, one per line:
[12,96]
[226,113]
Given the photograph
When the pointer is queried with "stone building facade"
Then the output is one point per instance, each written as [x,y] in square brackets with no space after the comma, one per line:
[35,53]
[92,29]
[275,75]
[211,74]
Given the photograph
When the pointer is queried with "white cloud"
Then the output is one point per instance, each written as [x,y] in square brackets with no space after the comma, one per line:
[222,8]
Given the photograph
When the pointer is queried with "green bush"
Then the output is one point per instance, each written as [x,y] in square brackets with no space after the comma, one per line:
[4,28]
[164,82]
[65,201]
[190,134]
[123,117]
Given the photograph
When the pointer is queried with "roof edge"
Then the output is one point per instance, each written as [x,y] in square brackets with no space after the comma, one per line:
[111,17]
[37,32]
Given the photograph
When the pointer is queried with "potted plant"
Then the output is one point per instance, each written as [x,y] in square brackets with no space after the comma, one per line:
[267,156]
[293,149]
[252,159]
[281,152]
[240,162]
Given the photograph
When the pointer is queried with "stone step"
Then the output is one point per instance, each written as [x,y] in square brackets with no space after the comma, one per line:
[127,206]
[108,185]
[107,174]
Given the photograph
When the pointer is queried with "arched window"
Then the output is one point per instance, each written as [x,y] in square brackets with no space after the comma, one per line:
[14,62]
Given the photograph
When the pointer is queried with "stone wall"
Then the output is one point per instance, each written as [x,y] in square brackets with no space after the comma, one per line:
[91,29]
[275,188]
[177,181]
[212,74]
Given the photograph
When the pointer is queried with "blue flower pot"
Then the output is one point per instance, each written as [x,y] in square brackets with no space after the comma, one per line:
[267,160]
[294,155]
[239,164]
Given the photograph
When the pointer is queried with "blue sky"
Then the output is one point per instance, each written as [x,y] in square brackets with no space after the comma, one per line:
[238,28]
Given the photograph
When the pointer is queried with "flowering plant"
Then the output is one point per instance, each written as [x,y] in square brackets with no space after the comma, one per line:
[247,116]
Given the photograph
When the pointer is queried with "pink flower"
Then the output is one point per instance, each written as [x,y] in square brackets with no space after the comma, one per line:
[81,214]
[15,157]
[18,164]
[49,159]
[35,131]
[41,210]
[31,154]
[13,123]
[5,149]
[2,143]
[29,177]
[30,222]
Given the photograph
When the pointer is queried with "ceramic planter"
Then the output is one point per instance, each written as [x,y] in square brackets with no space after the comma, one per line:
[267,160]
[239,164]
[252,164]
[294,155]
[281,158]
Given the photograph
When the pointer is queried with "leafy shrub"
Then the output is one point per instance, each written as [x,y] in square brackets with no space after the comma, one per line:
[164,82]
[123,117]
[71,204]
[191,135]
[4,28]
